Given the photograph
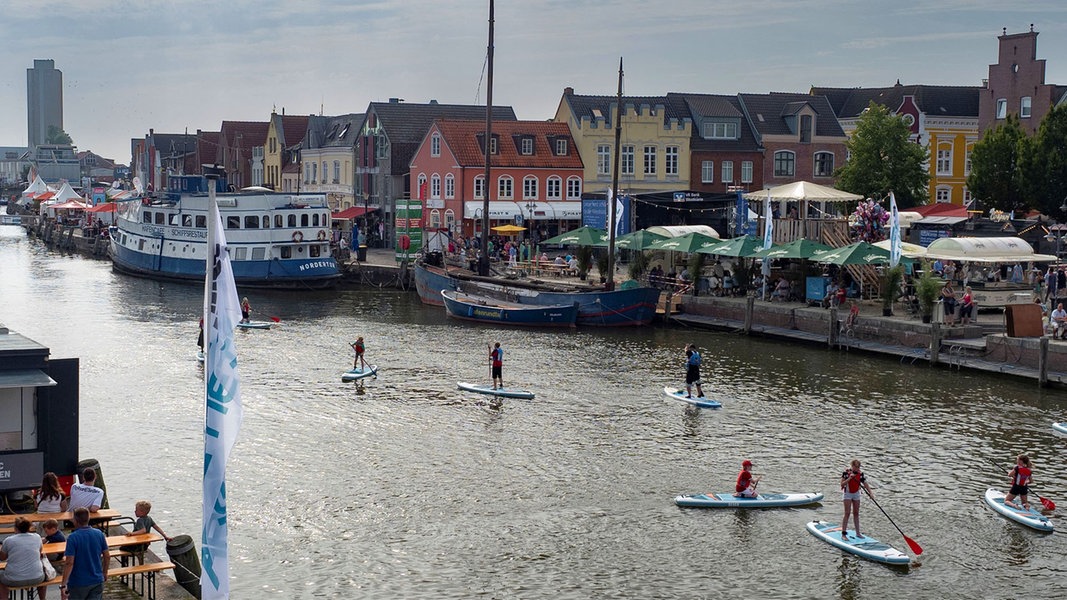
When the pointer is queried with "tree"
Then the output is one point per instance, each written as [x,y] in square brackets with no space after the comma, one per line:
[58,136]
[883,159]
[1043,164]
[994,178]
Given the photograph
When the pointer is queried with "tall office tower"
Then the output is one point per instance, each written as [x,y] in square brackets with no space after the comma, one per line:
[44,100]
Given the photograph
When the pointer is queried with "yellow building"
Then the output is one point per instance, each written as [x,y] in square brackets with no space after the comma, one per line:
[284,135]
[655,141]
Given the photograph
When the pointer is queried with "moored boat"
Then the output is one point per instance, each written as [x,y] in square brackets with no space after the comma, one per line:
[275,240]
[488,310]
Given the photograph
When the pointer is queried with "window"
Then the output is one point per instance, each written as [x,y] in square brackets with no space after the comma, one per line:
[304,220]
[287,251]
[505,187]
[561,147]
[1024,107]
[435,186]
[292,221]
[650,160]
[492,145]
[824,164]
[967,200]
[967,163]
[314,172]
[720,131]
[554,188]
[805,129]
[603,159]
[324,172]
[1002,108]
[435,145]
[450,219]
[529,188]
[944,194]
[746,171]
[479,187]
[784,163]
[450,186]
[727,171]
[435,219]
[526,146]
[251,222]
[381,147]
[240,253]
[670,160]
[201,222]
[314,250]
[574,188]
[266,222]
[161,218]
[233,222]
[627,167]
[944,160]
[337,171]
[707,171]
[307,172]
[420,186]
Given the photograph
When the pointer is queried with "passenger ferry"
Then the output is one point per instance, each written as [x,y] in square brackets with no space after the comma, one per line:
[275,240]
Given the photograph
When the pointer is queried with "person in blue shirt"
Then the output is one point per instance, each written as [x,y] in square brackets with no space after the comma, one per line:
[87,559]
[692,371]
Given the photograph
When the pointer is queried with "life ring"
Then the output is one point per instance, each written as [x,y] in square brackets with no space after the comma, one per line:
[322,235]
[298,236]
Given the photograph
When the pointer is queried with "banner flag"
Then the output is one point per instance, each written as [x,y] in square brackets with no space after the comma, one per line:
[222,311]
[894,232]
[768,240]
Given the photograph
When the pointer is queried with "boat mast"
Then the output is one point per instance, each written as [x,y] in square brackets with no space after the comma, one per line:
[483,260]
[613,200]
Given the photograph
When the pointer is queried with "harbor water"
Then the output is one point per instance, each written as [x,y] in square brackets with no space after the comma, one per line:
[408,487]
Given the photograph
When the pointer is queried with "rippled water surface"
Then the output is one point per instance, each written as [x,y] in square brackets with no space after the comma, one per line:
[406,487]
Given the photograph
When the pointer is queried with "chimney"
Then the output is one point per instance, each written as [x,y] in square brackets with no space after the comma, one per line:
[433,100]
[568,91]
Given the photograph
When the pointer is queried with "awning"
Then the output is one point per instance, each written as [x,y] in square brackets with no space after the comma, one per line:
[351,213]
[103,207]
[985,250]
[538,211]
[680,230]
[939,221]
[20,378]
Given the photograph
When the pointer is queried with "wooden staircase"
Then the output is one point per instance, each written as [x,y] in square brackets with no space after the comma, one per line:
[866,275]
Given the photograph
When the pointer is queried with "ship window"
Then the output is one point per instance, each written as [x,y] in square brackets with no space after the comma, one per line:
[161,218]
[287,252]
[314,250]
[187,220]
[233,222]
[279,221]
[304,220]
[251,222]
[292,220]
[147,217]
[201,221]
[315,220]
[240,253]
[258,253]
[266,222]
[140,245]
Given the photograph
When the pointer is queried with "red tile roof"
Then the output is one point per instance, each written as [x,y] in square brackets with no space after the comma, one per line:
[463,139]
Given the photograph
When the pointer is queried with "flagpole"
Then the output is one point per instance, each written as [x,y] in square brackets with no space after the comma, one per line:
[894,232]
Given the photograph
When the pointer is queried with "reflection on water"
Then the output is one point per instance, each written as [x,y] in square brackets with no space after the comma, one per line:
[405,486]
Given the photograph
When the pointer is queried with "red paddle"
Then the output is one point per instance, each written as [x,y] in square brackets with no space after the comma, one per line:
[276,319]
[1049,504]
[915,547]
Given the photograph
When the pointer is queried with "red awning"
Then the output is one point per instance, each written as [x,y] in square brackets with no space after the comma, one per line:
[351,213]
[44,196]
[103,207]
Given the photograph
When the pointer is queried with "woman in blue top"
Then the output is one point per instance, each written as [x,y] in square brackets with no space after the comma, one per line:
[692,371]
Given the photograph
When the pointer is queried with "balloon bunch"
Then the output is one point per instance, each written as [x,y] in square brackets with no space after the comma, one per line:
[869,222]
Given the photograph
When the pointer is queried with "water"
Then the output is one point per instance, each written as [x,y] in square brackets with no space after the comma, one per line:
[407,487]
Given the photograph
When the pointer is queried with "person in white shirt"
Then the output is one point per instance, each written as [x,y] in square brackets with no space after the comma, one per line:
[1059,322]
[86,494]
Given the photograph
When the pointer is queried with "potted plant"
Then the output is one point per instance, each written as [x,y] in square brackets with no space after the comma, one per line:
[585,261]
[891,288]
[696,268]
[927,289]
[602,266]
[638,265]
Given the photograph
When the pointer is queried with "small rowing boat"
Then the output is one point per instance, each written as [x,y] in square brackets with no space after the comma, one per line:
[489,310]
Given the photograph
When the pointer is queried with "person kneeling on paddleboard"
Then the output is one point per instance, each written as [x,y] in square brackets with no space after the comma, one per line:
[359,347]
[692,371]
[1020,481]
[852,480]
[746,485]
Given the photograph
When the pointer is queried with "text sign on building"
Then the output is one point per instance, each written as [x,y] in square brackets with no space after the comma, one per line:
[21,471]
[928,236]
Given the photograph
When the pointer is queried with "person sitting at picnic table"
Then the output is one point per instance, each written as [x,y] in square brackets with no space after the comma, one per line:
[1059,322]
[572,266]
[544,257]
[781,290]
[560,262]
[729,285]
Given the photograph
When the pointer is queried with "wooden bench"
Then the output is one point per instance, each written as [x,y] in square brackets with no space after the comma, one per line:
[146,573]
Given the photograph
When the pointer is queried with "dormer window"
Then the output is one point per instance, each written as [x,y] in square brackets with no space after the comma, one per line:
[805,128]
[720,130]
[526,146]
[493,145]
[435,145]
[561,147]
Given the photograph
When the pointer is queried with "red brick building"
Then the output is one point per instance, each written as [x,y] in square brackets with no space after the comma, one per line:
[1016,85]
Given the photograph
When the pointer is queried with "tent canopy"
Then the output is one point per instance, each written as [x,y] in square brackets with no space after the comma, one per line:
[509,228]
[906,248]
[69,205]
[671,231]
[985,250]
[803,190]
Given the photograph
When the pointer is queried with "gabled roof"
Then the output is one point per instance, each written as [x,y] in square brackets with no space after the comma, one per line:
[934,100]
[173,145]
[600,106]
[208,144]
[337,131]
[290,129]
[704,107]
[767,113]
[244,134]
[463,138]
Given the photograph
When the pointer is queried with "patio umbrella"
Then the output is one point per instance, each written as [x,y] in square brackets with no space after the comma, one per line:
[803,190]
[906,249]
[635,240]
[690,242]
[583,236]
[741,247]
[508,229]
[860,253]
[800,248]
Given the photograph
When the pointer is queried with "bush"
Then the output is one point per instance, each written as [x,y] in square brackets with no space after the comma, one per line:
[891,286]
[927,289]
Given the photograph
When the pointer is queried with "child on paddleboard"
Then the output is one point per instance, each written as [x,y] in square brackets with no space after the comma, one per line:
[246,309]
[496,358]
[692,371]
[1020,481]
[360,348]
[852,480]
[746,485]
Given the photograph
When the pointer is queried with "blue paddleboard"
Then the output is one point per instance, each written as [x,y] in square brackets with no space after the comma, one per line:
[728,500]
[360,373]
[865,546]
[679,394]
[1026,516]
[491,391]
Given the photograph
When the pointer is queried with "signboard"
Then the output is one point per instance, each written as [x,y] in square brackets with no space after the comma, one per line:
[21,471]
[595,214]
[928,236]
[688,197]
[408,222]
[742,224]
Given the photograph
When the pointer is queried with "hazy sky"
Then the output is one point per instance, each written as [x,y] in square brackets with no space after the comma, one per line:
[131,65]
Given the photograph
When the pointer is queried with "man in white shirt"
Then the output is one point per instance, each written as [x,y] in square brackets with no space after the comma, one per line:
[1059,322]
[86,493]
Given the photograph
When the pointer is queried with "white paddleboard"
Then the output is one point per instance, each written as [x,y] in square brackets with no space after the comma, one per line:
[1029,517]
[360,373]
[865,547]
[200,356]
[489,390]
[1060,427]
[255,325]
[728,500]
[679,394]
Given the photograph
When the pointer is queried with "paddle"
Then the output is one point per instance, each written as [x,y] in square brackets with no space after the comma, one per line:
[276,319]
[1049,504]
[915,547]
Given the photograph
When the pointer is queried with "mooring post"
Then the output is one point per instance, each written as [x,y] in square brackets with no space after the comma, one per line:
[935,342]
[1042,362]
[831,336]
[750,306]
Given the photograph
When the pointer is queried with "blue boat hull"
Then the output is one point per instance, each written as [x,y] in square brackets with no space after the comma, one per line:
[620,308]
[485,311]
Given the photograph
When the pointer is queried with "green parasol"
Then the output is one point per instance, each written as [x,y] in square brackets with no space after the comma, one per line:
[583,236]
[860,253]
[741,247]
[635,240]
[690,242]
[800,248]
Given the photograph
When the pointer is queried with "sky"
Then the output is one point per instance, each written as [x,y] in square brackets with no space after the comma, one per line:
[177,65]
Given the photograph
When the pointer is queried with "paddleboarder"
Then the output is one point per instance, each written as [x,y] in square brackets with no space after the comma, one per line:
[246,309]
[852,481]
[692,371]
[496,358]
[746,485]
[359,347]
[1020,481]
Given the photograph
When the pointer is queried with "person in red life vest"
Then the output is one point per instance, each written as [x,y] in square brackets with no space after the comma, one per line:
[851,481]
[746,485]
[1020,481]
[496,357]
[359,347]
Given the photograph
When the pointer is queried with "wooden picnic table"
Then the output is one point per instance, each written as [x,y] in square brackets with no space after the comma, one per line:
[113,541]
[103,513]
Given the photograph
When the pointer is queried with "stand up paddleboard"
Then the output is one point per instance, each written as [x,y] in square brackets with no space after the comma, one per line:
[360,373]
[864,547]
[200,356]
[1060,427]
[679,395]
[1026,516]
[502,392]
[728,500]
[255,325]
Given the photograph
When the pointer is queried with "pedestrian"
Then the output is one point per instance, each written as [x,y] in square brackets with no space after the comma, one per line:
[22,551]
[200,336]
[1021,476]
[246,309]
[746,484]
[496,358]
[692,371]
[360,348]
[86,560]
[852,480]
[966,306]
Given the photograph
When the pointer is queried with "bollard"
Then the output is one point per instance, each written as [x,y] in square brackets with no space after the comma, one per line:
[92,463]
[182,552]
